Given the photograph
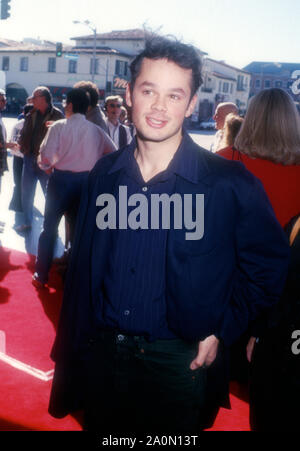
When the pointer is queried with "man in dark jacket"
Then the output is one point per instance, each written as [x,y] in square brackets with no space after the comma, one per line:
[32,135]
[3,151]
[167,266]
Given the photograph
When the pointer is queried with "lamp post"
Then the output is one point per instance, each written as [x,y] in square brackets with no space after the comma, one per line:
[94,30]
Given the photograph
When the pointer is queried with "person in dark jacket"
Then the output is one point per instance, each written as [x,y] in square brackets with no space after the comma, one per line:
[167,266]
[118,132]
[32,135]
[3,151]
[16,200]
[274,382]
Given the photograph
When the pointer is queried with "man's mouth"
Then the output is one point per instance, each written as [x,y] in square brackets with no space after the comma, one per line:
[155,123]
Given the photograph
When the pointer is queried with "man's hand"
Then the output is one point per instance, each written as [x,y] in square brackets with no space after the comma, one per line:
[250,348]
[207,352]
[12,146]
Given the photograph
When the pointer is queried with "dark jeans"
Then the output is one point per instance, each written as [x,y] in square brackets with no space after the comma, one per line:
[136,386]
[62,196]
[30,176]
[16,201]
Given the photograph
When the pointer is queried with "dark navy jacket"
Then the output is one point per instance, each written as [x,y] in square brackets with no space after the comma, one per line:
[215,285]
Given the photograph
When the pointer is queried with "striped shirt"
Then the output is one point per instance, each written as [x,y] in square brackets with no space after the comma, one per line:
[133,292]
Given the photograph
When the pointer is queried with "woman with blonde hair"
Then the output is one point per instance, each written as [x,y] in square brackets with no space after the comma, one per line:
[268,144]
[232,126]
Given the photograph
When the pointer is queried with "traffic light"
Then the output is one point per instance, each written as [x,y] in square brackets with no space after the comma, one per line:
[5,9]
[58,49]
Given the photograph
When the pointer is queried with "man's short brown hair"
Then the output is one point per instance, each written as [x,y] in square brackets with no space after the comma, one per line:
[91,88]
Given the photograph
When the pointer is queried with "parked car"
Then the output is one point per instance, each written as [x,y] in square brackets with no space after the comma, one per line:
[208,125]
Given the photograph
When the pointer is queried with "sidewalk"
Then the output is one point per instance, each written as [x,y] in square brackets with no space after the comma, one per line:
[9,238]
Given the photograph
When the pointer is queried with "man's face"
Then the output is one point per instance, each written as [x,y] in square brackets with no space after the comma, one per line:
[219,117]
[39,101]
[113,109]
[160,100]
[2,102]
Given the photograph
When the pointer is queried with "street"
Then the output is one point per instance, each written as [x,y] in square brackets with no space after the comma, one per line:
[28,243]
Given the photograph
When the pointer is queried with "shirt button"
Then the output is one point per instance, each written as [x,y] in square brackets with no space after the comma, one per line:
[132,270]
[144,189]
[127,312]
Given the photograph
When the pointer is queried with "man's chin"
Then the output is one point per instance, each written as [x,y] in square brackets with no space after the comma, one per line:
[157,137]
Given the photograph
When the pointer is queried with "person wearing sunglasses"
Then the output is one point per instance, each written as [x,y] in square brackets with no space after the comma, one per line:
[118,132]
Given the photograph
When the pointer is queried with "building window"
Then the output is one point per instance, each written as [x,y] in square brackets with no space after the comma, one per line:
[24,64]
[225,86]
[267,83]
[231,88]
[72,67]
[121,68]
[278,84]
[94,66]
[257,83]
[51,64]
[5,63]
[240,83]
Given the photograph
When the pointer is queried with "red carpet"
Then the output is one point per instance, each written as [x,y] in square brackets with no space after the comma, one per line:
[29,318]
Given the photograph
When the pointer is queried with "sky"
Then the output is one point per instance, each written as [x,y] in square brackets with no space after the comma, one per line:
[235,31]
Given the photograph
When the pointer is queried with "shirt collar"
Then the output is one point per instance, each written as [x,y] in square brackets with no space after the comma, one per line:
[185,162]
[111,125]
[76,116]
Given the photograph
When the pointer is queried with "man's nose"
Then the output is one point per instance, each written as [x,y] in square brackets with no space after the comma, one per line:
[160,103]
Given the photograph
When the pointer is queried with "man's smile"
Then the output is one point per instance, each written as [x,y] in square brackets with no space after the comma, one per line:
[155,123]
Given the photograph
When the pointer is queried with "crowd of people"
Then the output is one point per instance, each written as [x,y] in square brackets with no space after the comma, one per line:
[150,317]
[41,153]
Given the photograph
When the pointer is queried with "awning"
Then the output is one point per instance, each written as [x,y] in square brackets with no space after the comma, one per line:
[59,91]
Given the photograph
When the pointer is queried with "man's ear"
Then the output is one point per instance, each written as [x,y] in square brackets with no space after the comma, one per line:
[128,95]
[191,106]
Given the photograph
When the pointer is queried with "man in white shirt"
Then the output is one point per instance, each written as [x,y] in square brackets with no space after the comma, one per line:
[69,151]
[119,133]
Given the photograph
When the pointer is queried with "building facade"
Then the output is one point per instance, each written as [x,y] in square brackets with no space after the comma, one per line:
[266,75]
[221,83]
[105,58]
[27,65]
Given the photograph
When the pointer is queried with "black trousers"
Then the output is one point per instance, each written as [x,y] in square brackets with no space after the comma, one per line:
[136,386]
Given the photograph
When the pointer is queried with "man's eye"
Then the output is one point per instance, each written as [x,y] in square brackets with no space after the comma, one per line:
[147,92]
[175,97]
